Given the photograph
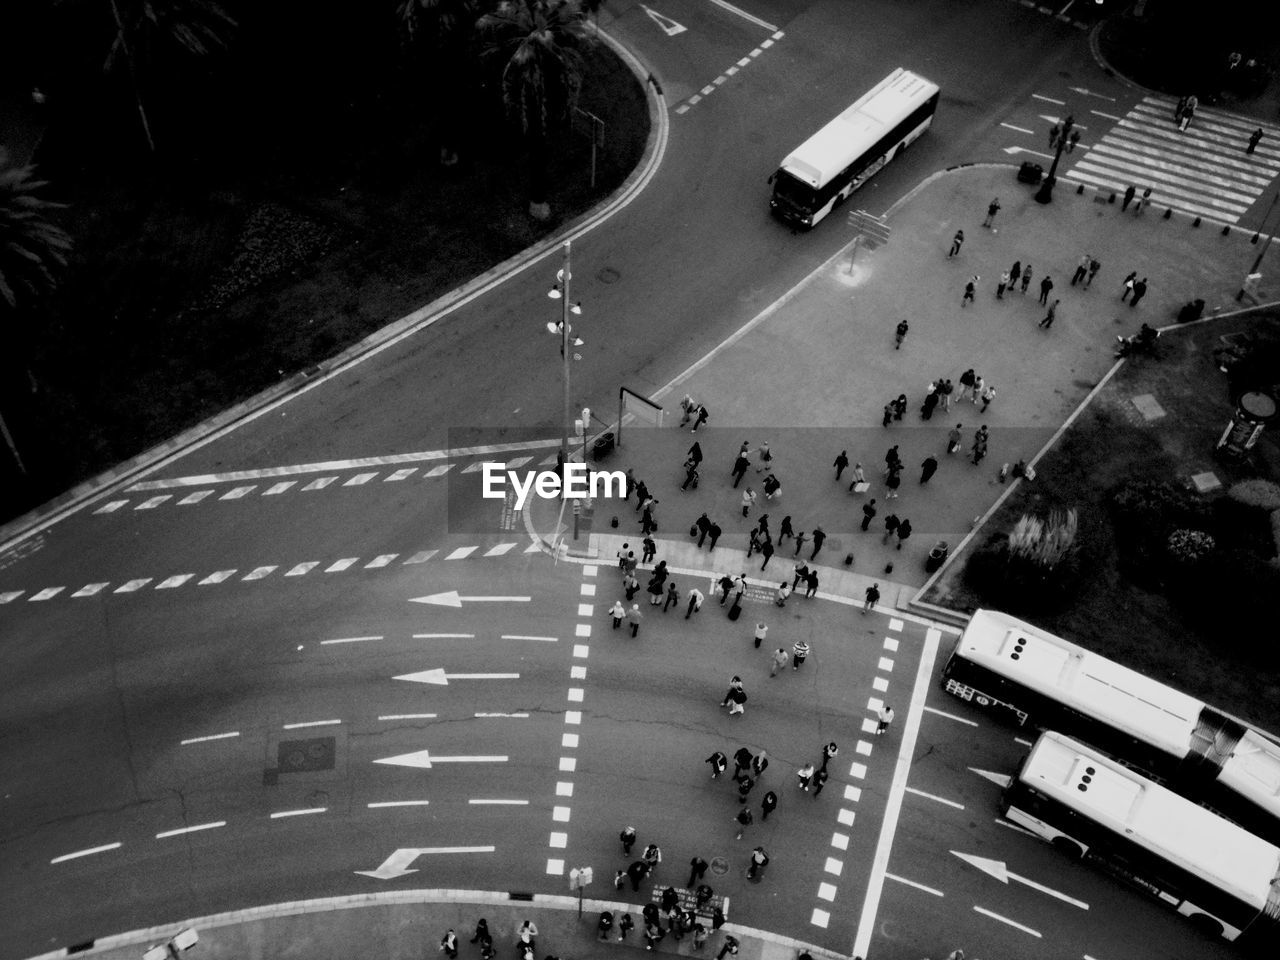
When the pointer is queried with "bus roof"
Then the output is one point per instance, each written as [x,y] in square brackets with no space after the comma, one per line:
[1094,685]
[848,136]
[1253,770]
[1157,819]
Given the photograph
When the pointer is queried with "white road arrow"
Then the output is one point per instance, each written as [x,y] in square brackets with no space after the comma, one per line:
[451,599]
[439,678]
[997,869]
[397,865]
[424,761]
[1034,153]
[1089,93]
[667,25]
[1001,780]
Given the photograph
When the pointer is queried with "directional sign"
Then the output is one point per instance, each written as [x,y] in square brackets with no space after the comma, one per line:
[423,760]
[397,865]
[451,599]
[669,26]
[437,677]
[1089,93]
[997,869]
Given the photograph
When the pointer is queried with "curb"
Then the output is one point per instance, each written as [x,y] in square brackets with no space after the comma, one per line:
[61,506]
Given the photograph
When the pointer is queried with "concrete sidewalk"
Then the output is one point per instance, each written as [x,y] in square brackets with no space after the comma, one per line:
[811,374]
[409,924]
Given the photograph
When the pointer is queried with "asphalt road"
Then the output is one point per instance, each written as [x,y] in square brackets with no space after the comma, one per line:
[101,691]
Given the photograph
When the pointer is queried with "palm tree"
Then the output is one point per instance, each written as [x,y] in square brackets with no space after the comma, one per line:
[539,44]
[33,251]
[195,27]
[437,36]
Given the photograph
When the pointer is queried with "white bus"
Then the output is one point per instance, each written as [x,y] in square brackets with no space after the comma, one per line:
[1226,880]
[824,170]
[1033,678]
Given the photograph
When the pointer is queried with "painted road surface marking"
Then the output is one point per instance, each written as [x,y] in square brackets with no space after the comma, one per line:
[90,589]
[325,643]
[452,598]
[912,883]
[398,803]
[1013,923]
[212,736]
[279,814]
[196,829]
[397,865]
[951,716]
[408,716]
[311,723]
[438,677]
[85,853]
[1000,871]
[930,796]
[423,760]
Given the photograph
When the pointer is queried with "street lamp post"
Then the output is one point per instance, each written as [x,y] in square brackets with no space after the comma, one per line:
[1045,193]
[1263,252]
[561,292]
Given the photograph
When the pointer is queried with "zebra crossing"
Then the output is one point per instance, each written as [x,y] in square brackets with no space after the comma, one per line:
[1203,171]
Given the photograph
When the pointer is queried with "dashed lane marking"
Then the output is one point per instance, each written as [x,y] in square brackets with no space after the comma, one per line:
[86,853]
[720,80]
[212,736]
[1013,923]
[195,829]
[912,883]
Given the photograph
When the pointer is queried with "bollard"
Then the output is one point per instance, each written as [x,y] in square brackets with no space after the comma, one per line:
[1195,222]
[1168,213]
[1254,239]
[1079,189]
[1112,198]
[1226,229]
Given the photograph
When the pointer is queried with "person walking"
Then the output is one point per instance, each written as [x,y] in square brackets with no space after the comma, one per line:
[885,718]
[652,856]
[899,334]
[799,653]
[745,785]
[695,602]
[1129,282]
[742,758]
[820,780]
[1000,287]
[764,458]
[628,838]
[928,467]
[655,589]
[1054,133]
[762,631]
[819,538]
[979,384]
[748,498]
[892,482]
[735,683]
[868,514]
[1094,267]
[725,584]
[956,243]
[1139,291]
[873,597]
[744,819]
[1073,141]
[759,764]
[768,804]
[1128,197]
[604,925]
[737,702]
[702,417]
[842,461]
[634,616]
[779,661]
[829,752]
[904,531]
[980,444]
[617,611]
[482,934]
[713,532]
[988,394]
[801,540]
[650,550]
[1026,278]
[697,870]
[888,415]
[1254,139]
[1052,315]
[1015,273]
[1142,202]
[953,439]
[811,584]
[1082,267]
[781,594]
[625,926]
[690,475]
[718,762]
[766,550]
[631,585]
[805,777]
[969,290]
[890,527]
[944,394]
[785,530]
[858,477]
[449,944]
[703,523]
[623,551]
[759,860]
[801,570]
[636,872]
[1046,285]
[966,383]
[992,209]
[740,466]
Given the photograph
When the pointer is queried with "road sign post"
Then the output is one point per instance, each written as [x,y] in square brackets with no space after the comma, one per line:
[579,877]
[872,231]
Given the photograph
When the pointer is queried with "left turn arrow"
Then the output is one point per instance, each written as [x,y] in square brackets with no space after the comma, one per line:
[397,865]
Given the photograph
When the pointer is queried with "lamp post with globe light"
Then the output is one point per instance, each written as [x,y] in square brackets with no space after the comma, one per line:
[562,327]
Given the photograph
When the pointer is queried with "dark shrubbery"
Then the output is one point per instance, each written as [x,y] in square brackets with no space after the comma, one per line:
[1037,568]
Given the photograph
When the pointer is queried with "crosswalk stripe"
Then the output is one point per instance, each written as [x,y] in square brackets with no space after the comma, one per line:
[534,547]
[90,589]
[132,586]
[422,556]
[498,550]
[319,484]
[277,488]
[258,573]
[339,565]
[359,478]
[462,553]
[152,502]
[380,561]
[400,474]
[1197,144]
[111,507]
[216,577]
[1161,171]
[196,497]
[1180,155]
[47,593]
[168,583]
[1111,183]
[437,471]
[1169,187]
[299,569]
[236,493]
[11,596]
[1248,123]
[518,462]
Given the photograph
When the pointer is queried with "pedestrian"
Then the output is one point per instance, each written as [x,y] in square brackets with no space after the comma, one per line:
[980,444]
[799,653]
[772,486]
[725,584]
[634,617]
[647,524]
[899,334]
[690,475]
[1045,286]
[988,394]
[694,453]
[623,551]
[630,584]
[637,872]
[873,596]
[891,456]
[762,525]
[744,819]
[956,243]
[858,476]
[820,780]
[655,590]
[742,757]
[703,523]
[944,394]
[890,527]
[1049,317]
[699,936]
[703,416]
[617,612]
[713,532]
[652,856]
[762,631]
[1000,287]
[628,838]
[811,584]
[653,935]
[968,290]
[966,383]
[1094,267]
[801,573]
[1026,278]
[1015,272]
[779,661]
[1129,283]
[1128,197]
[1254,139]
[735,683]
[619,879]
[892,482]
[687,408]
[1082,267]
[888,415]
[753,542]
[695,602]
[718,762]
[768,804]
[745,784]
[953,439]
[528,930]
[900,406]
[1054,133]
[1188,112]
[748,498]
[904,530]
[829,753]
[759,860]
[764,458]
[1142,202]
[642,495]
[819,538]
[1139,291]
[737,702]
[842,461]
[780,595]
[449,944]
[930,401]
[1179,108]
[992,209]
[885,718]
[730,943]
[739,587]
[801,540]
[625,926]
[604,924]
[697,870]
[740,468]
[482,934]
[805,777]
[650,550]
[785,529]
[759,764]
[928,468]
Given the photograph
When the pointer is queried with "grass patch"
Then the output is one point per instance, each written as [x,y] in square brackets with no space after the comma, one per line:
[1120,607]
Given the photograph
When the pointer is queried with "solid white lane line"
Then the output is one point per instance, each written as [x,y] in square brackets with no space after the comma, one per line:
[325,643]
[408,716]
[930,796]
[912,883]
[950,716]
[1013,923]
[311,723]
[279,814]
[212,736]
[196,829]
[498,803]
[85,853]
[521,636]
[398,803]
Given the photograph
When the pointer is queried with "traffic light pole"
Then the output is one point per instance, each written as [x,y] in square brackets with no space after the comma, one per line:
[1045,193]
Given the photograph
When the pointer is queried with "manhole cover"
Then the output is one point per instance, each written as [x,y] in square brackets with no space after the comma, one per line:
[304,756]
[719,866]
[608,275]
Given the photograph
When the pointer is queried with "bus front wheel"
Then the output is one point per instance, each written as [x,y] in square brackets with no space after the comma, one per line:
[1206,924]
[1069,847]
